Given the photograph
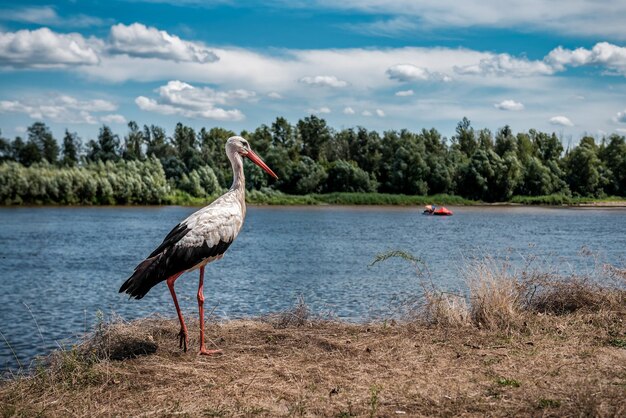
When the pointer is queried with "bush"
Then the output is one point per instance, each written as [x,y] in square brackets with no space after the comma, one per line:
[123,182]
[346,176]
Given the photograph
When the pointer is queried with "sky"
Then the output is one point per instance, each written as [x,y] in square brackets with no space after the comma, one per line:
[552,65]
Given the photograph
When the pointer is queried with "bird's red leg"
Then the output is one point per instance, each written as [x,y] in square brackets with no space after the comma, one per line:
[203,350]
[184,339]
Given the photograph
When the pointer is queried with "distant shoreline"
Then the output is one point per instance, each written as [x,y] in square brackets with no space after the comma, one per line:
[271,198]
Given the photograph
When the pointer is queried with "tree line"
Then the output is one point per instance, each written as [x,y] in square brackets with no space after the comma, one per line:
[147,164]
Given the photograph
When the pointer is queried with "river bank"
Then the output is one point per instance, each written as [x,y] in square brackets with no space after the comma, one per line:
[560,353]
[274,198]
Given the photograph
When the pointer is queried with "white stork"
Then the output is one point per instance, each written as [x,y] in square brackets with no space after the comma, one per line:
[201,238]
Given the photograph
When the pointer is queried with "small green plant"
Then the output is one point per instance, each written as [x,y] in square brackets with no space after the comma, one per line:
[548,403]
[374,391]
[396,254]
[618,342]
[508,382]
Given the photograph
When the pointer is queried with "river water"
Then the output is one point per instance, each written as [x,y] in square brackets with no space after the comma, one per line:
[60,266]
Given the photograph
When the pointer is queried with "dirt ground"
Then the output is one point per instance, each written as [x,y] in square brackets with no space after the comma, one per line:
[572,365]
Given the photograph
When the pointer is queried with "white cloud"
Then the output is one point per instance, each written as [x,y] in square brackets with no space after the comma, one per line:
[138,40]
[620,117]
[380,113]
[348,111]
[409,72]
[96,105]
[560,121]
[620,130]
[506,65]
[62,109]
[47,15]
[321,110]
[356,69]
[180,98]
[113,118]
[324,81]
[366,113]
[42,48]
[579,18]
[386,27]
[605,54]
[404,93]
[509,105]
[274,95]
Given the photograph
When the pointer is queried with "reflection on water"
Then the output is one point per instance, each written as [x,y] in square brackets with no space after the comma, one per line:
[60,266]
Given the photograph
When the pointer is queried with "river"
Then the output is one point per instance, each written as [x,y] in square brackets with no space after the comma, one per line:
[60,266]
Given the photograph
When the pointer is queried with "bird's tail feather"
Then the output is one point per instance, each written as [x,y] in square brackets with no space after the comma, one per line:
[143,278]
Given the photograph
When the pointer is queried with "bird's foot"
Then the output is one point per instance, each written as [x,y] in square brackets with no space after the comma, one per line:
[205,352]
[183,339]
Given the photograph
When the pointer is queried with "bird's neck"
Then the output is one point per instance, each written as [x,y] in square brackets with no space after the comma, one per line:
[239,179]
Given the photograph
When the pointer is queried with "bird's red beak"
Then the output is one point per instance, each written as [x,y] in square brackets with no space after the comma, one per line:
[258,161]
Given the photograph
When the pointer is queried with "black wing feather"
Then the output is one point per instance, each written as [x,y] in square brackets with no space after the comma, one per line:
[175,235]
[167,260]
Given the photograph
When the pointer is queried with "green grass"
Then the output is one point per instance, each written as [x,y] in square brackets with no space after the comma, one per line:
[508,382]
[273,197]
[548,403]
[618,342]
[561,199]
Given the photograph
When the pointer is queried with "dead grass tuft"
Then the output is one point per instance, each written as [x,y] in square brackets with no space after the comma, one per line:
[500,297]
[495,295]
[444,309]
[298,315]
[560,296]
[119,340]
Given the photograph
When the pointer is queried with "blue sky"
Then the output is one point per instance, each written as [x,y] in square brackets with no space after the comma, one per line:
[384,64]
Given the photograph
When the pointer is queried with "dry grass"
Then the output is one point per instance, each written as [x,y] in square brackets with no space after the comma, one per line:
[531,345]
[503,298]
[560,365]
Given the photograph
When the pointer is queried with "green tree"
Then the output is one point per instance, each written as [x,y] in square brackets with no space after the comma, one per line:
[133,143]
[184,141]
[71,149]
[212,145]
[105,148]
[346,176]
[40,135]
[156,142]
[314,135]
[486,176]
[366,150]
[613,156]
[5,149]
[536,179]
[404,169]
[338,148]
[27,153]
[465,138]
[307,176]
[582,169]
[549,147]
[284,135]
[440,167]
[505,141]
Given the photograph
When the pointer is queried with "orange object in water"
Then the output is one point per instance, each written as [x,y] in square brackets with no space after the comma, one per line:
[442,211]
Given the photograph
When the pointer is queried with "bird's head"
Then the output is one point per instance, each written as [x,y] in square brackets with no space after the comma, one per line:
[239,145]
